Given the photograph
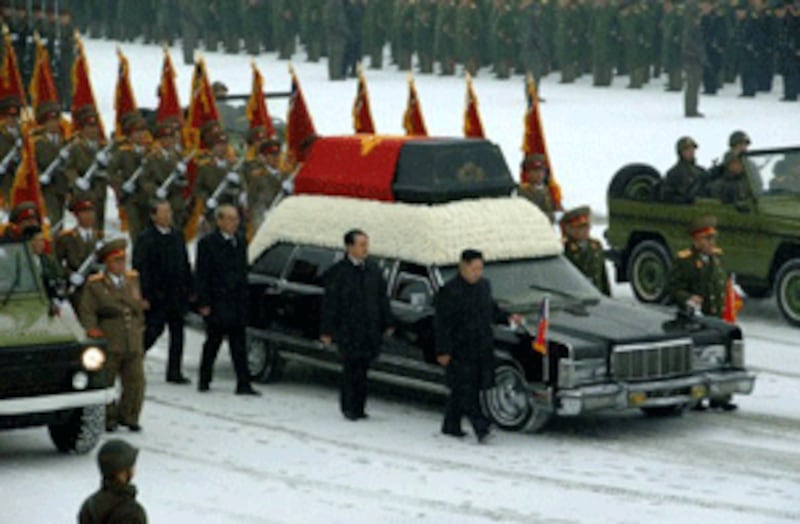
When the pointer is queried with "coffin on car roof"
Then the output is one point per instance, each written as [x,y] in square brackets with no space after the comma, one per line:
[503,228]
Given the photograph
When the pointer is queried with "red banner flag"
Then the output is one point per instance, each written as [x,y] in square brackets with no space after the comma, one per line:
[10,79]
[533,141]
[124,100]
[413,121]
[473,127]
[362,113]
[25,187]
[82,92]
[733,301]
[202,106]
[256,111]
[42,87]
[539,343]
[169,106]
[299,127]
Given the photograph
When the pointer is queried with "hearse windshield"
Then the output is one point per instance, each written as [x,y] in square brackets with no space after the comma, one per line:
[520,285]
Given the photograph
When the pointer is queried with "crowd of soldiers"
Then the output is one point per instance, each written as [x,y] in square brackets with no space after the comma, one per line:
[708,42]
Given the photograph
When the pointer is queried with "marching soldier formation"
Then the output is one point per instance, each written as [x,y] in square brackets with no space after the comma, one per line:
[711,41]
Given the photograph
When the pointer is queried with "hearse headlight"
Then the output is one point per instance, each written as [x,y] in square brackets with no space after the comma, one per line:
[709,356]
[93,358]
[573,373]
[737,354]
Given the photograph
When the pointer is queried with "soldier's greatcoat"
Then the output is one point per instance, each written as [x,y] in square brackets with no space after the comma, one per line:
[696,274]
[588,258]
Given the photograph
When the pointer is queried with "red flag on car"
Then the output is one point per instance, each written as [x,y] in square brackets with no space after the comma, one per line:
[540,340]
[413,121]
[299,127]
[533,140]
[256,110]
[362,113]
[733,301]
[473,127]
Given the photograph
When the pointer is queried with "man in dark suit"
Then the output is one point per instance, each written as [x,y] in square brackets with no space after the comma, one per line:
[166,279]
[221,282]
[355,315]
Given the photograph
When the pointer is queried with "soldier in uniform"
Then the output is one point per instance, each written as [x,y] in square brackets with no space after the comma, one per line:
[48,144]
[115,501]
[584,252]
[468,29]
[161,162]
[338,31]
[264,181]
[190,22]
[533,184]
[713,28]
[503,38]
[74,247]
[533,44]
[23,216]
[312,30]
[693,57]
[403,40]
[685,179]
[87,141]
[425,33]
[787,19]
[48,269]
[697,279]
[445,40]
[124,163]
[215,171]
[732,187]
[285,27]
[672,29]
[9,137]
[602,23]
[377,24]
[748,50]
[739,142]
[112,308]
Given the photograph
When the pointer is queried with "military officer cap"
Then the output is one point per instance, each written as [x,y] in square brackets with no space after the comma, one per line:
[576,217]
[112,249]
[82,205]
[23,211]
[86,116]
[9,105]
[256,134]
[116,455]
[534,161]
[47,111]
[270,147]
[685,142]
[703,226]
[738,137]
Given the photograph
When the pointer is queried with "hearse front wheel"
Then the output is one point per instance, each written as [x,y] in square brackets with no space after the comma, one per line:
[509,404]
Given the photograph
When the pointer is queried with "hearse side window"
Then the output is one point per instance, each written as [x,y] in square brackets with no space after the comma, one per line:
[413,289]
[272,262]
[310,263]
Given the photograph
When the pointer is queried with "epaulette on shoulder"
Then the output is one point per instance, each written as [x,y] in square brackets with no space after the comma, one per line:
[685,253]
[131,273]
[97,277]
[717,251]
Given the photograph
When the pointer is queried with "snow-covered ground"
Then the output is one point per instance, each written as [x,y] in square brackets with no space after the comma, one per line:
[290,457]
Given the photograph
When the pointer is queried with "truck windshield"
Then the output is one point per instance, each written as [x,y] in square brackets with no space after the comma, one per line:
[16,275]
[523,283]
[779,171]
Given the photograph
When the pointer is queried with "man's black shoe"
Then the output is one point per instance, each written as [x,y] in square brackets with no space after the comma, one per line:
[136,428]
[699,406]
[111,428]
[363,415]
[458,433]
[485,437]
[350,416]
[724,405]
[202,387]
[180,379]
[248,391]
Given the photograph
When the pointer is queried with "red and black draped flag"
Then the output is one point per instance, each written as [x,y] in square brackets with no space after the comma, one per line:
[733,301]
[299,127]
[169,106]
[413,121]
[473,127]
[256,111]
[124,100]
[82,92]
[362,112]
[533,141]
[539,343]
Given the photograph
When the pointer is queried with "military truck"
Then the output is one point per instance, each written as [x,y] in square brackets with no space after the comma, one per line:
[759,235]
[50,372]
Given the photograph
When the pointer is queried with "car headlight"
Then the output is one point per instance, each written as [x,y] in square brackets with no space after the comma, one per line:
[93,358]
[711,356]
[572,373]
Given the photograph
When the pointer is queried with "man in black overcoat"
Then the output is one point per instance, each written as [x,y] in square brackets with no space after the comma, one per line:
[465,314]
[356,316]
[159,255]
[221,283]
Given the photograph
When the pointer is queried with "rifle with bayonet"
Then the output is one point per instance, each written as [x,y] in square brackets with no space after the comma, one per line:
[84,182]
[129,186]
[47,176]
[232,178]
[78,277]
[179,171]
[11,156]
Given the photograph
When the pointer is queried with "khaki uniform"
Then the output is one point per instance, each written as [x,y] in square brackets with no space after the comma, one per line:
[81,157]
[72,251]
[161,163]
[263,185]
[8,139]
[588,258]
[47,148]
[124,161]
[117,312]
[539,195]
[211,172]
[696,274]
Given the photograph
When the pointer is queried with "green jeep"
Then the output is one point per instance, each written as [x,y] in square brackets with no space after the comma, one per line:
[759,235]
[50,372]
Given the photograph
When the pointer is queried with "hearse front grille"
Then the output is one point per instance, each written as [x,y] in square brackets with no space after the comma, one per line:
[32,371]
[647,361]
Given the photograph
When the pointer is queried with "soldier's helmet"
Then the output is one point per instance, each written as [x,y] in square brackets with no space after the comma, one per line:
[116,455]
[685,142]
[738,137]
[219,88]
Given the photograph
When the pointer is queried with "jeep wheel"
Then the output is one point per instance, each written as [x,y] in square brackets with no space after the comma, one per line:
[509,405]
[263,361]
[648,270]
[787,291]
[81,432]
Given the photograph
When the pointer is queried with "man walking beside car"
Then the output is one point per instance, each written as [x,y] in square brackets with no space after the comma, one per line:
[465,314]
[221,283]
[356,316]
